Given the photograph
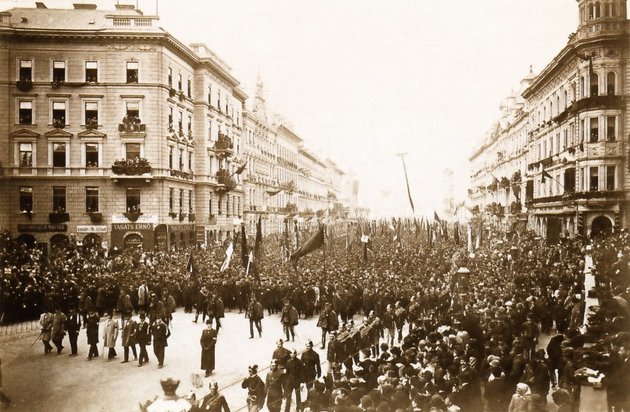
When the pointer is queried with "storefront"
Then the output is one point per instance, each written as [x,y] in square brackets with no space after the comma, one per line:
[125,235]
[39,235]
[181,236]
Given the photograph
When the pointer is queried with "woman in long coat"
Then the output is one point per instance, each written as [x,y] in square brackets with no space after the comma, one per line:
[208,341]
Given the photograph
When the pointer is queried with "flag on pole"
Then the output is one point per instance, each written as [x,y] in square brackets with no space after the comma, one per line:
[545,175]
[315,242]
[413,210]
[274,192]
[258,244]
[244,254]
[241,169]
[228,256]
[436,217]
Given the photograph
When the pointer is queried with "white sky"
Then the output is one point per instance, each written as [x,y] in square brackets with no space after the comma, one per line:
[361,80]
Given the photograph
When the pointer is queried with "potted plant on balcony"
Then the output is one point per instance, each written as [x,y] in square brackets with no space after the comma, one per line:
[172,92]
[182,96]
[505,182]
[191,217]
[182,216]
[135,167]
[59,216]
[133,214]
[172,214]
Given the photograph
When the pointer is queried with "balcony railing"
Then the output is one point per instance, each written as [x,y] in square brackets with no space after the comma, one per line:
[223,144]
[136,167]
[225,179]
[133,214]
[59,217]
[132,124]
[24,85]
[181,174]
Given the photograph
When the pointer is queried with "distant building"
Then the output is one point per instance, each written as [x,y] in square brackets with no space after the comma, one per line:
[577,177]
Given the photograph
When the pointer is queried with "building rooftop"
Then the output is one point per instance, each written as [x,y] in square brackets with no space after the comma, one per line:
[82,17]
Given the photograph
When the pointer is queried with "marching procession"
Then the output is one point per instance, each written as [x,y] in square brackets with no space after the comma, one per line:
[401,327]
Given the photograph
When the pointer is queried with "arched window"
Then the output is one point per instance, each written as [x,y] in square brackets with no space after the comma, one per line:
[611,80]
[594,84]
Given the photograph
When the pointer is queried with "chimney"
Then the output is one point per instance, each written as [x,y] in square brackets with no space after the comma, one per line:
[40,5]
[84,6]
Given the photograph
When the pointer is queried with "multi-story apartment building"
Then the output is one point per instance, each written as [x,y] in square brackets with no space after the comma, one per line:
[114,131]
[313,183]
[577,178]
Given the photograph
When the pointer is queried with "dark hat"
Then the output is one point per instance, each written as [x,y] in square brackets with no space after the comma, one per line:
[169,385]
[209,321]
[253,368]
[309,344]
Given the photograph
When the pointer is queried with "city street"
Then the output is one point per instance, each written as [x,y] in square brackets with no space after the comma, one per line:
[38,382]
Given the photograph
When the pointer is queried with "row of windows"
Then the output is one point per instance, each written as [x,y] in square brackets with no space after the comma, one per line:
[592,129]
[61,154]
[590,181]
[231,208]
[58,112]
[589,87]
[59,71]
[597,10]
[92,197]
[229,203]
[182,154]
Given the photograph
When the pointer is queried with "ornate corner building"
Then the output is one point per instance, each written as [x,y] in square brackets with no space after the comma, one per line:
[557,162]
[114,132]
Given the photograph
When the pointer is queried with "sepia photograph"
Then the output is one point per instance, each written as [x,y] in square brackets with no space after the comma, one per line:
[314,206]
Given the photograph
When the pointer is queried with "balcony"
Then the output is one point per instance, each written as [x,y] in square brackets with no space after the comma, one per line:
[226,182]
[24,85]
[58,217]
[600,149]
[135,167]
[212,219]
[181,174]
[96,217]
[224,146]
[131,124]
[133,214]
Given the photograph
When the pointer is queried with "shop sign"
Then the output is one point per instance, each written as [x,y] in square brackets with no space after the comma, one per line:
[132,226]
[91,228]
[42,227]
[181,228]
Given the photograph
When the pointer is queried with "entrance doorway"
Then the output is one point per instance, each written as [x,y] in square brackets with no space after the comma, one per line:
[601,226]
[554,228]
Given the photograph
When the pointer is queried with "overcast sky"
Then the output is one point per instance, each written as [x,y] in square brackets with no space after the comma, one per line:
[362,80]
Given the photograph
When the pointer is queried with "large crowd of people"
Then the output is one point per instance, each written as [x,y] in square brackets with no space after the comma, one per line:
[412,325]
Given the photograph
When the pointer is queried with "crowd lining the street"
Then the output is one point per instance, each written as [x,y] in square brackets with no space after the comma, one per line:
[430,338]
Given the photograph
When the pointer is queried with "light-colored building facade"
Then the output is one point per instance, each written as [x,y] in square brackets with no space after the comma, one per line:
[114,131]
[576,179]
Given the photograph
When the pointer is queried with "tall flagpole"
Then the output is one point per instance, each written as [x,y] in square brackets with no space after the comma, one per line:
[402,157]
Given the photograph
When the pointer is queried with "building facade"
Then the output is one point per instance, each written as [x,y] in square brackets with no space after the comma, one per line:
[577,176]
[114,131]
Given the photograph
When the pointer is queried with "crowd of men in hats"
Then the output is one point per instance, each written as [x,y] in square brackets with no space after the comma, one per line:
[430,339]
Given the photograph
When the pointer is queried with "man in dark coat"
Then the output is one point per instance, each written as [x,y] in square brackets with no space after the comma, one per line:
[160,333]
[212,402]
[143,337]
[312,369]
[92,334]
[328,321]
[255,314]
[128,337]
[208,341]
[255,390]
[281,354]
[289,319]
[274,385]
[293,379]
[73,327]
[201,305]
[218,310]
